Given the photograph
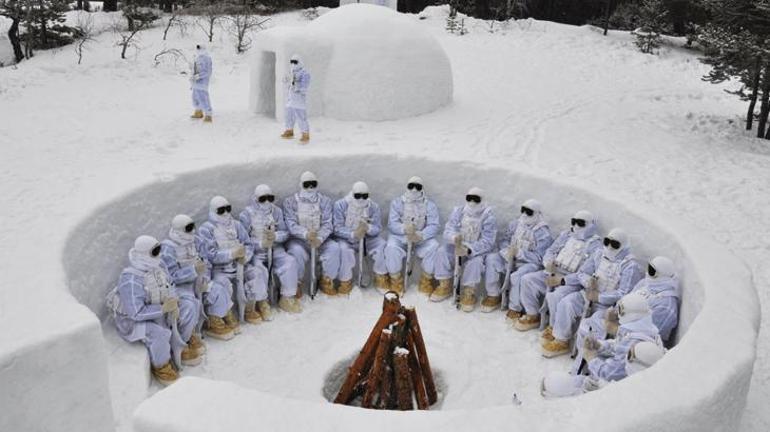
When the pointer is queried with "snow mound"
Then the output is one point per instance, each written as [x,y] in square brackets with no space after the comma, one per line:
[367,63]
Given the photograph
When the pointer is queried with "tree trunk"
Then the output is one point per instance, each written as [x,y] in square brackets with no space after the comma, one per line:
[13,36]
[79,5]
[754,94]
[87,6]
[765,107]
[607,15]
[110,6]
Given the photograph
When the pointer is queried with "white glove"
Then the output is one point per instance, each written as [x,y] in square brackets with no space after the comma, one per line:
[239,252]
[200,266]
[590,348]
[409,229]
[511,252]
[553,281]
[361,230]
[312,238]
[414,237]
[611,323]
[268,238]
[196,77]
[592,294]
[171,305]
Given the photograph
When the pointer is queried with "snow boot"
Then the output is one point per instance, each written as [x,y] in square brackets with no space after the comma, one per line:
[265,310]
[426,284]
[190,357]
[232,321]
[165,374]
[252,315]
[207,119]
[290,305]
[442,291]
[305,138]
[196,344]
[555,348]
[218,329]
[512,315]
[527,322]
[345,287]
[288,134]
[327,286]
[490,303]
[397,284]
[467,299]
[300,287]
[546,335]
[198,114]
[382,282]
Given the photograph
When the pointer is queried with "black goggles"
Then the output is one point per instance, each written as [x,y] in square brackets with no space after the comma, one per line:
[611,243]
[415,186]
[224,209]
[579,222]
[266,198]
[293,62]
[651,270]
[189,227]
[361,195]
[473,198]
[155,251]
[527,211]
[310,184]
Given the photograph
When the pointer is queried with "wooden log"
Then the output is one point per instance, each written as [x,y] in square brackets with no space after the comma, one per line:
[364,359]
[422,354]
[390,303]
[416,371]
[386,387]
[377,370]
[402,378]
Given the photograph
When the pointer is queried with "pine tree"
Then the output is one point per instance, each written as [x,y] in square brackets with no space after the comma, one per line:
[46,24]
[652,16]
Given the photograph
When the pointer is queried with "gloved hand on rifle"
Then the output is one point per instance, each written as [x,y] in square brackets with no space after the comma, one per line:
[510,252]
[360,230]
[171,307]
[412,235]
[611,321]
[313,239]
[268,238]
[200,266]
[590,348]
[554,281]
[239,253]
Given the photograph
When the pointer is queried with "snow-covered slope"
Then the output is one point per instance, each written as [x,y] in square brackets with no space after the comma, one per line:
[556,99]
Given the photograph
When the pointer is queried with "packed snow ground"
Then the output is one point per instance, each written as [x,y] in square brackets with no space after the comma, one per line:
[553,97]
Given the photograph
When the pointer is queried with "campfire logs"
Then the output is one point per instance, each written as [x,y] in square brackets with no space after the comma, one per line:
[392,370]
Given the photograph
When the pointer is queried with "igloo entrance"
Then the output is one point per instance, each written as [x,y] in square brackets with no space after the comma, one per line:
[267,85]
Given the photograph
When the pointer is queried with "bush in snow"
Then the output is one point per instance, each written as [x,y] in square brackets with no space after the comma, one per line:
[84,30]
[243,21]
[652,16]
[210,13]
[139,18]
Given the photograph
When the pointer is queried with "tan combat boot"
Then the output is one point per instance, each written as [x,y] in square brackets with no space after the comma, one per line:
[218,329]
[207,119]
[232,321]
[546,335]
[512,316]
[397,284]
[198,114]
[467,299]
[289,304]
[265,310]
[327,286]
[426,284]
[527,322]
[345,287]
[491,303]
[196,344]
[165,374]
[382,282]
[252,315]
[555,348]
[300,288]
[442,291]
[190,357]
[305,138]
[288,134]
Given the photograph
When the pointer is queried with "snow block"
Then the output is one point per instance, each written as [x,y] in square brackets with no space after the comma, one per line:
[367,63]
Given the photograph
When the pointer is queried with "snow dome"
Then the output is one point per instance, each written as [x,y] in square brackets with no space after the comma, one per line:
[367,63]
[393,4]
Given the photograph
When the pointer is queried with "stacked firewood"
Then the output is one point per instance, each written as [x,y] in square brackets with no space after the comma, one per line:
[392,370]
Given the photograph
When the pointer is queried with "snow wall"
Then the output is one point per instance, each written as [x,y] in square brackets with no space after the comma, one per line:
[700,385]
[367,63]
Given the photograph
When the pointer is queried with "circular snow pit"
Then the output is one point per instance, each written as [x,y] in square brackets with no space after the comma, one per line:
[279,367]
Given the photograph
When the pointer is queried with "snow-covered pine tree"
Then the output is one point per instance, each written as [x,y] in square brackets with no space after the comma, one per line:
[47,24]
[652,17]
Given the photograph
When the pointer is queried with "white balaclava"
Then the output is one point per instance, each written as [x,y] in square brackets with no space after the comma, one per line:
[586,216]
[632,307]
[473,207]
[535,206]
[295,67]
[645,355]
[662,266]
[359,187]
[559,384]
[215,203]
[308,194]
[414,195]
[177,231]
[260,191]
[141,255]
[619,235]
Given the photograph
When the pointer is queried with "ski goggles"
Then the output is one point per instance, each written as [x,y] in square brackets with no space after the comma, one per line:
[359,196]
[415,186]
[310,184]
[611,243]
[527,211]
[224,209]
[266,198]
[189,227]
[473,198]
[155,251]
[293,62]
[651,270]
[579,222]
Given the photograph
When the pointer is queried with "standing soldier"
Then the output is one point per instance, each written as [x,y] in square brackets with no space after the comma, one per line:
[200,84]
[297,83]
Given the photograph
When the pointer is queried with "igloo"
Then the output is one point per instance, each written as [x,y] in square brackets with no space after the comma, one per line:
[393,4]
[367,63]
